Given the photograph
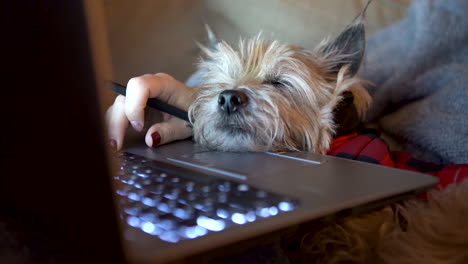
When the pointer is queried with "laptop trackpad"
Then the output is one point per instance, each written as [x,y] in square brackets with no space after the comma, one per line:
[239,165]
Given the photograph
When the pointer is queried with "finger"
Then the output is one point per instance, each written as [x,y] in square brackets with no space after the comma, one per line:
[161,86]
[167,116]
[117,123]
[165,132]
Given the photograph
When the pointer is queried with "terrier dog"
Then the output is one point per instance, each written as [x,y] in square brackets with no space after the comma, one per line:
[277,97]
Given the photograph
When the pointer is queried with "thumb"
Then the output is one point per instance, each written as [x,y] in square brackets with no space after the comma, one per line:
[168,131]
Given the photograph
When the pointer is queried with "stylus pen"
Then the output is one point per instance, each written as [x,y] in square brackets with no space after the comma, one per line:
[152,102]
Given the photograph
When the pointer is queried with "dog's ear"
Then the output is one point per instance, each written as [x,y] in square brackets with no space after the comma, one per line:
[213,39]
[349,46]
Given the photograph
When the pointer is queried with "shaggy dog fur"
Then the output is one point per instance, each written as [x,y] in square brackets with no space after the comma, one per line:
[284,95]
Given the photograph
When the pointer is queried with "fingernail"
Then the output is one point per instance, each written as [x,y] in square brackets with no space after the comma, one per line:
[113,145]
[156,139]
[138,126]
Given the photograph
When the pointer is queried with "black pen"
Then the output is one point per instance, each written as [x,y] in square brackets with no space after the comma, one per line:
[152,102]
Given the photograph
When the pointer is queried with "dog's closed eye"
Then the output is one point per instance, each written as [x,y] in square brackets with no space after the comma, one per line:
[276,82]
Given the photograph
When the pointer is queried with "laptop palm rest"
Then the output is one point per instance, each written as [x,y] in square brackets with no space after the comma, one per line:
[236,165]
[240,165]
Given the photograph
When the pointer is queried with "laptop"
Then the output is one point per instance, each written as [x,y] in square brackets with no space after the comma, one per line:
[72,200]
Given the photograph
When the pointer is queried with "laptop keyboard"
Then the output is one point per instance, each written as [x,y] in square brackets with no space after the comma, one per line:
[176,204]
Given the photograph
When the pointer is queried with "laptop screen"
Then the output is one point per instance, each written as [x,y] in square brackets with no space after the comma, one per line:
[55,191]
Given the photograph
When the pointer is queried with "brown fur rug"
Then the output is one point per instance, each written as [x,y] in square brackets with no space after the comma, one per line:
[415,231]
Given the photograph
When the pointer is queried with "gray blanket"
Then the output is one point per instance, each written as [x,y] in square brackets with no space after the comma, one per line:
[420,70]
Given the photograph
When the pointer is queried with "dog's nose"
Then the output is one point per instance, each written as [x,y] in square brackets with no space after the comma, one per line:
[230,101]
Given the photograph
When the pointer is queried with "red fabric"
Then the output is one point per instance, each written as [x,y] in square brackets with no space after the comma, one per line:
[369,147]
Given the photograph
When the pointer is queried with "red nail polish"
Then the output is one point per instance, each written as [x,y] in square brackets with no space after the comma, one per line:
[156,139]
[113,145]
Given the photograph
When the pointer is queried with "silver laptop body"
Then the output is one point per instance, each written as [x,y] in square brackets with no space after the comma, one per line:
[312,186]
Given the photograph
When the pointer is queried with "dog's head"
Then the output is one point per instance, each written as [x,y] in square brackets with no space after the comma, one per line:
[270,96]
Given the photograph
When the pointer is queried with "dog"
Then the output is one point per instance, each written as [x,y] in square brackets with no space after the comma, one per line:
[268,96]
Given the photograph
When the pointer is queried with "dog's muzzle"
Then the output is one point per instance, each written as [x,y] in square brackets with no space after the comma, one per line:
[230,101]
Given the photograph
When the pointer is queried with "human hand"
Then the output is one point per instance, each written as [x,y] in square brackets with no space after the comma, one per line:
[131,109]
